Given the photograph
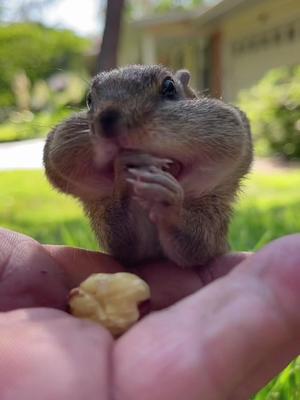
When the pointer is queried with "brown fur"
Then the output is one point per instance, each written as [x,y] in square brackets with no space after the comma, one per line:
[210,139]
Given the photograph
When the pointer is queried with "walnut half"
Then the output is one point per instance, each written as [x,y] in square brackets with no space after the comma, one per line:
[110,299]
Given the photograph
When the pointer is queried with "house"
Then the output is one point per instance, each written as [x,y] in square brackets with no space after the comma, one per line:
[227,46]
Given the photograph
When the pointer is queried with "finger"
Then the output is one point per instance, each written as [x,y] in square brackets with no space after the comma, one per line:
[207,345]
[78,264]
[259,376]
[29,277]
[46,351]
[170,283]
[161,178]
[140,160]
[221,266]
[35,276]
[153,191]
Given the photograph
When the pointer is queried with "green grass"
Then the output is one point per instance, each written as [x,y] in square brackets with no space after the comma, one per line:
[269,207]
[29,205]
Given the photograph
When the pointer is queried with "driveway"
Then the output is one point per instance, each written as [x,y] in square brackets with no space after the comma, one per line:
[26,154]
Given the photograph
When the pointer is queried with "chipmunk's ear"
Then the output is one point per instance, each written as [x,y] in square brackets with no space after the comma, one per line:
[184,76]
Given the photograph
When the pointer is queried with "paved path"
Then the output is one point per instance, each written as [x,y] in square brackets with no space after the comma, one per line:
[26,154]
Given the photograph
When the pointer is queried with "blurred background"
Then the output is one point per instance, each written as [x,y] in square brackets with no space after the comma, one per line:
[246,52]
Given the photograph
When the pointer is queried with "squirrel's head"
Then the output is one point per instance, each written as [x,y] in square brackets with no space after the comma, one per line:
[149,110]
[122,99]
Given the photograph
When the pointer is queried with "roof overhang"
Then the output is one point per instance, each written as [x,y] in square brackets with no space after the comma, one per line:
[203,15]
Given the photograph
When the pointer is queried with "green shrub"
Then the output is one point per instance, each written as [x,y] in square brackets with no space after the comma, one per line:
[273,107]
[37,50]
[27,125]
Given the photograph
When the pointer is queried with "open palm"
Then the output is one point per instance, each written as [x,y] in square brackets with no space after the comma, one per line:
[224,341]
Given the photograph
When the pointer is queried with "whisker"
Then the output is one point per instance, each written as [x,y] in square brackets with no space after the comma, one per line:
[72,142]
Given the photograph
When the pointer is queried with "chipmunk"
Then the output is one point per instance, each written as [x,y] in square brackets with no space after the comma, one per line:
[155,166]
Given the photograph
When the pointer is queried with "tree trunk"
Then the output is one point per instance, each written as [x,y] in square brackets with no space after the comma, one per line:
[107,58]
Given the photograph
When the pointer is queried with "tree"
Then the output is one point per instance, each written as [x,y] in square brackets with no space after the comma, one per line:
[39,51]
[107,58]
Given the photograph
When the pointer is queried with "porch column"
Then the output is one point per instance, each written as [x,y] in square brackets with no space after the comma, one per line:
[148,49]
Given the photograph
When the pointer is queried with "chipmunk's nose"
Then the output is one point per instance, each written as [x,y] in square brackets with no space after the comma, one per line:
[110,122]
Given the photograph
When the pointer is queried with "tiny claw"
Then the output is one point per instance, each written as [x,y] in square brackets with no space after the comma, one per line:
[134,171]
[131,181]
[166,162]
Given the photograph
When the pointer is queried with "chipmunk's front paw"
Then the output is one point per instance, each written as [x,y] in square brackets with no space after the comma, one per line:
[158,192]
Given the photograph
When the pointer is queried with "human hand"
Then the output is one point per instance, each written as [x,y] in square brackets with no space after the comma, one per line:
[224,341]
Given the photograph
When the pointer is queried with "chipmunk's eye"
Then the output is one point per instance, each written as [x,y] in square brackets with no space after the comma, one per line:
[168,88]
[89,101]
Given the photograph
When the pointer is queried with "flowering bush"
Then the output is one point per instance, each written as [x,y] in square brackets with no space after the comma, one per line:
[273,107]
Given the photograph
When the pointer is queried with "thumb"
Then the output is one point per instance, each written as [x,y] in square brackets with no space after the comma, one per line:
[225,341]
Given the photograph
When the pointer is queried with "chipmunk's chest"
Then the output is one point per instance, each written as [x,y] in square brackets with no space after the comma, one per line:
[148,245]
[130,236]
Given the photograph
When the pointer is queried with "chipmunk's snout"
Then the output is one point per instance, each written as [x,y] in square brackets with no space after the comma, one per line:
[109,123]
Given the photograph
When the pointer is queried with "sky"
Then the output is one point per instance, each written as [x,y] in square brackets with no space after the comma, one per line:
[83,16]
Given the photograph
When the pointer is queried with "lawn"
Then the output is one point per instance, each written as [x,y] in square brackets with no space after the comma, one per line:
[29,205]
[269,207]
